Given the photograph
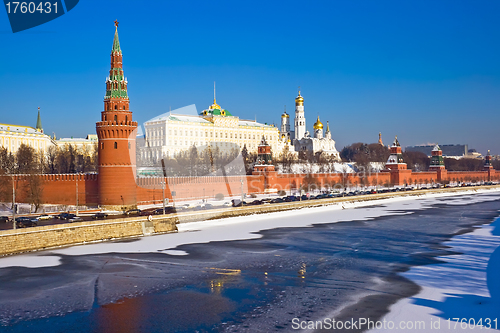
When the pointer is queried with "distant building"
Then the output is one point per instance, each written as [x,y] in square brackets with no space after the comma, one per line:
[12,136]
[84,144]
[451,151]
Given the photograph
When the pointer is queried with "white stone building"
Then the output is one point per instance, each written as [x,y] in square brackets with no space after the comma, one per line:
[300,139]
[181,129]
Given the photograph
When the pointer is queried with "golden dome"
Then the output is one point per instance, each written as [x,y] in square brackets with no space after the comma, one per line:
[299,99]
[285,115]
[318,124]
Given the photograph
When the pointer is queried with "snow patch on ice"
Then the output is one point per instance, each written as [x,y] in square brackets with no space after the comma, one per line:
[465,286]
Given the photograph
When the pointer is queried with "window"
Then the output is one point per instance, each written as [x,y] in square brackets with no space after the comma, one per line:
[116,107]
[124,107]
[116,117]
[102,145]
[126,117]
[116,145]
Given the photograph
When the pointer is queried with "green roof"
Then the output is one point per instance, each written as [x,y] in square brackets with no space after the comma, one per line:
[217,112]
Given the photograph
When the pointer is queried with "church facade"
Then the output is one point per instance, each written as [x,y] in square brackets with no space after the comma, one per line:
[300,140]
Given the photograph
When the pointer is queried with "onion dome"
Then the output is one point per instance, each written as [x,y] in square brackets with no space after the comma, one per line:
[318,124]
[299,99]
[285,115]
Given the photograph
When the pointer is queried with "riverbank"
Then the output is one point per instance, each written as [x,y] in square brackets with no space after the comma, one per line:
[53,236]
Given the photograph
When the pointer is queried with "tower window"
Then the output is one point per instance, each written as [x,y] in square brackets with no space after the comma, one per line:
[124,107]
[116,145]
[116,117]
[126,117]
[116,107]
[102,145]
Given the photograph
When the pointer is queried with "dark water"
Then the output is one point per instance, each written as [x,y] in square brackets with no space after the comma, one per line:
[250,285]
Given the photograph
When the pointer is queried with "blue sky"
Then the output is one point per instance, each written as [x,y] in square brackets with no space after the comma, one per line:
[426,71]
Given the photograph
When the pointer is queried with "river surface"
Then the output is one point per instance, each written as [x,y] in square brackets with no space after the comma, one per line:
[326,267]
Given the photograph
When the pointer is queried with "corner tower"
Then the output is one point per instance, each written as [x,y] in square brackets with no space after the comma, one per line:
[116,132]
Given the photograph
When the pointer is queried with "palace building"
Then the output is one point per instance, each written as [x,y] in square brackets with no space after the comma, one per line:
[179,130]
[12,136]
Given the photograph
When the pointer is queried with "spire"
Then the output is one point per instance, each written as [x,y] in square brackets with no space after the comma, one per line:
[396,142]
[327,126]
[116,42]
[39,122]
[214,94]
[380,139]
[116,83]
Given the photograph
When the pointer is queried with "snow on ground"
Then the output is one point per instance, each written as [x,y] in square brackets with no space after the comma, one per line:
[247,227]
[466,287]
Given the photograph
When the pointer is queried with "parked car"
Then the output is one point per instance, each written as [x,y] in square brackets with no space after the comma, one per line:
[159,211]
[238,203]
[68,217]
[277,200]
[4,219]
[99,216]
[24,222]
[44,217]
[75,219]
[62,216]
[133,212]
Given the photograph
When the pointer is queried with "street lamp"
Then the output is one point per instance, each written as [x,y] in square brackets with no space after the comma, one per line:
[76,210]
[13,203]
[163,194]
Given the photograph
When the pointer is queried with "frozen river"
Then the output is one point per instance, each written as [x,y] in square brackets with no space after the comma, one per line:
[256,273]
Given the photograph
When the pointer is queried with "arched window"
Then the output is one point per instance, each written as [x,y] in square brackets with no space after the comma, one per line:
[124,107]
[116,145]
[116,118]
[116,107]
[126,117]
[102,145]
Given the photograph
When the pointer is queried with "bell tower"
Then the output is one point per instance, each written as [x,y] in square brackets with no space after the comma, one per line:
[300,120]
[116,132]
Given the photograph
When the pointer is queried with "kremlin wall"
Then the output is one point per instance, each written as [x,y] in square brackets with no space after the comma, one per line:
[117,186]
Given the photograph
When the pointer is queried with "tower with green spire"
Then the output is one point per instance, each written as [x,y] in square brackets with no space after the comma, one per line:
[39,122]
[116,83]
[116,132]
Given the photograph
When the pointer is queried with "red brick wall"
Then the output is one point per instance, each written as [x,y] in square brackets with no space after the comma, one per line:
[61,188]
